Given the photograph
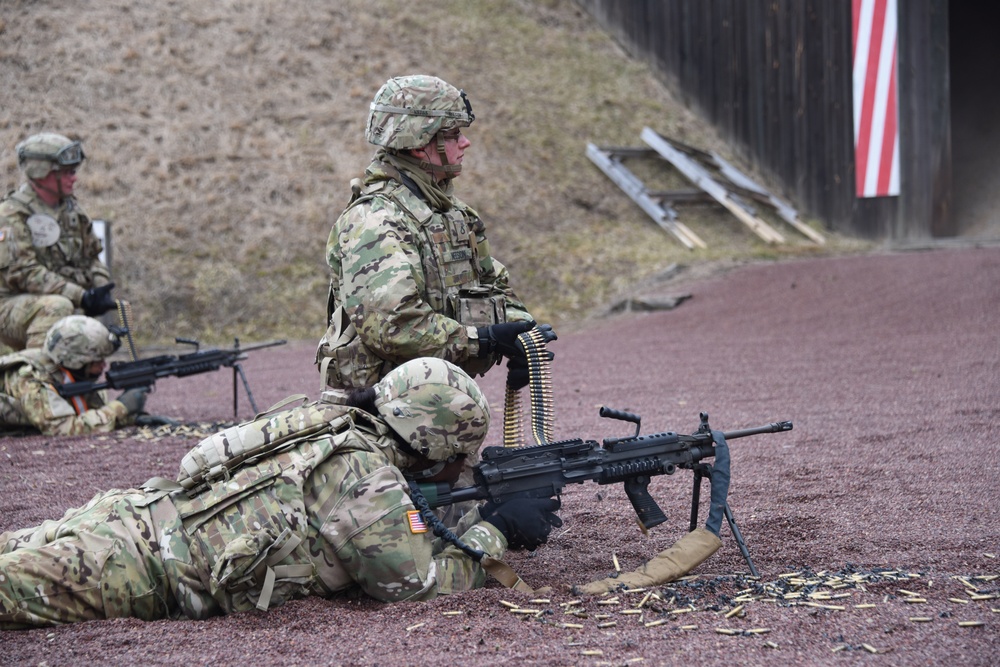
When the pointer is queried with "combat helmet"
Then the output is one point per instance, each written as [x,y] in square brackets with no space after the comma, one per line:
[435,407]
[78,340]
[409,110]
[40,153]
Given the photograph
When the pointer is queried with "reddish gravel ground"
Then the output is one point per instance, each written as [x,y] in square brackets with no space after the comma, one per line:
[884,492]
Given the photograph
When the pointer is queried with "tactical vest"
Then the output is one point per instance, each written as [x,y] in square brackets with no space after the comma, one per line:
[453,243]
[242,503]
[70,254]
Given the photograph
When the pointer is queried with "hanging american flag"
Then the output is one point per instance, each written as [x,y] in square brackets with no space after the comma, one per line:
[876,113]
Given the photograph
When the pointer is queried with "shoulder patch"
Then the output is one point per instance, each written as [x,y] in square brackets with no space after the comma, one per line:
[416,522]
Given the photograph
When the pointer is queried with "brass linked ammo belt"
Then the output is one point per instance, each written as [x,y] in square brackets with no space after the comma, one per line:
[125,319]
[539,392]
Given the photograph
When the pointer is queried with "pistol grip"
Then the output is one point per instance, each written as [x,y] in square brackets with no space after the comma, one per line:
[649,513]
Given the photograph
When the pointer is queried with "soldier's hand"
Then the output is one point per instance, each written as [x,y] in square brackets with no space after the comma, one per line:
[517,367]
[502,339]
[134,400]
[548,335]
[524,522]
[97,300]
[517,373]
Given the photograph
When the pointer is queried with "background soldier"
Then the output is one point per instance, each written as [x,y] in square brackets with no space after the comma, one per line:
[412,274]
[74,350]
[330,514]
[49,262]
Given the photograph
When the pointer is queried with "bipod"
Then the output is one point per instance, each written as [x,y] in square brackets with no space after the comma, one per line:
[238,371]
[705,470]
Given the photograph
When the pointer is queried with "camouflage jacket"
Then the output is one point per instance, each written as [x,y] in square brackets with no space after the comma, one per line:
[28,398]
[408,281]
[323,515]
[39,257]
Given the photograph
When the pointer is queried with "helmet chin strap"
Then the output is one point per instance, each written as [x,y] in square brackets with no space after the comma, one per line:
[57,192]
[426,472]
[445,169]
[450,170]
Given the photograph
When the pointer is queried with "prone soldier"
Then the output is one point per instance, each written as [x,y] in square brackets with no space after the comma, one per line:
[75,348]
[327,510]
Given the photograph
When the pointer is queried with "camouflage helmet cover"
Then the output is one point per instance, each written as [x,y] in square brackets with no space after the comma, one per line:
[409,110]
[40,153]
[78,340]
[435,407]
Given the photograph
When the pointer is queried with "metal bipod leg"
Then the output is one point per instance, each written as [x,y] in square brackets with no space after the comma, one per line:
[705,470]
[739,538]
[238,370]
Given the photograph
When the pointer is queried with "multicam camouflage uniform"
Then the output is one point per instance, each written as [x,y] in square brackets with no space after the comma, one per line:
[28,398]
[411,269]
[323,514]
[48,258]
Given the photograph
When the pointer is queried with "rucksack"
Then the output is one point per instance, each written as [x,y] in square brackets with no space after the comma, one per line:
[217,456]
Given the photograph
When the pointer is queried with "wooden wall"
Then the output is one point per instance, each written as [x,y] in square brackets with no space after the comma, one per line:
[775,77]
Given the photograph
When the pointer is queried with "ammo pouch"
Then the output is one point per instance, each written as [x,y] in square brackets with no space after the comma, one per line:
[344,361]
[478,307]
[249,567]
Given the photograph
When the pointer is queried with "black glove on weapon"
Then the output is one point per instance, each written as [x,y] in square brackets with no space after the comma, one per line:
[524,522]
[502,339]
[134,400]
[97,300]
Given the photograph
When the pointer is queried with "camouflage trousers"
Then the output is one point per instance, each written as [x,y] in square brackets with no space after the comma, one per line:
[26,318]
[98,561]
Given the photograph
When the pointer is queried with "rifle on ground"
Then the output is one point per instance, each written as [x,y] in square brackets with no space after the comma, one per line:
[543,471]
[126,375]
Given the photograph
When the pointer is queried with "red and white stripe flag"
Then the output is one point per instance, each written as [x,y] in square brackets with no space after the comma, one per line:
[876,112]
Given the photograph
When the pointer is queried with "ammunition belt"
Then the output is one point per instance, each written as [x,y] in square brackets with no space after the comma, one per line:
[539,393]
[125,320]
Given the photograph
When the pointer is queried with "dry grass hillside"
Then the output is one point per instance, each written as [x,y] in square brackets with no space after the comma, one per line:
[222,135]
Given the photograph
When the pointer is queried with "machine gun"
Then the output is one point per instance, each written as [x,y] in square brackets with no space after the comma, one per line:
[126,375]
[544,470]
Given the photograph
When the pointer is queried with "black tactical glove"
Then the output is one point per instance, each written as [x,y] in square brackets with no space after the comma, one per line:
[548,335]
[502,339]
[517,373]
[134,400]
[97,300]
[517,367]
[524,522]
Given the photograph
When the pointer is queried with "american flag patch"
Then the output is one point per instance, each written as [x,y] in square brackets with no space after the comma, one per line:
[417,524]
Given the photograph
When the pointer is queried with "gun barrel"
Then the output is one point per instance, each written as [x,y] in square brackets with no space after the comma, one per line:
[260,346]
[773,427]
